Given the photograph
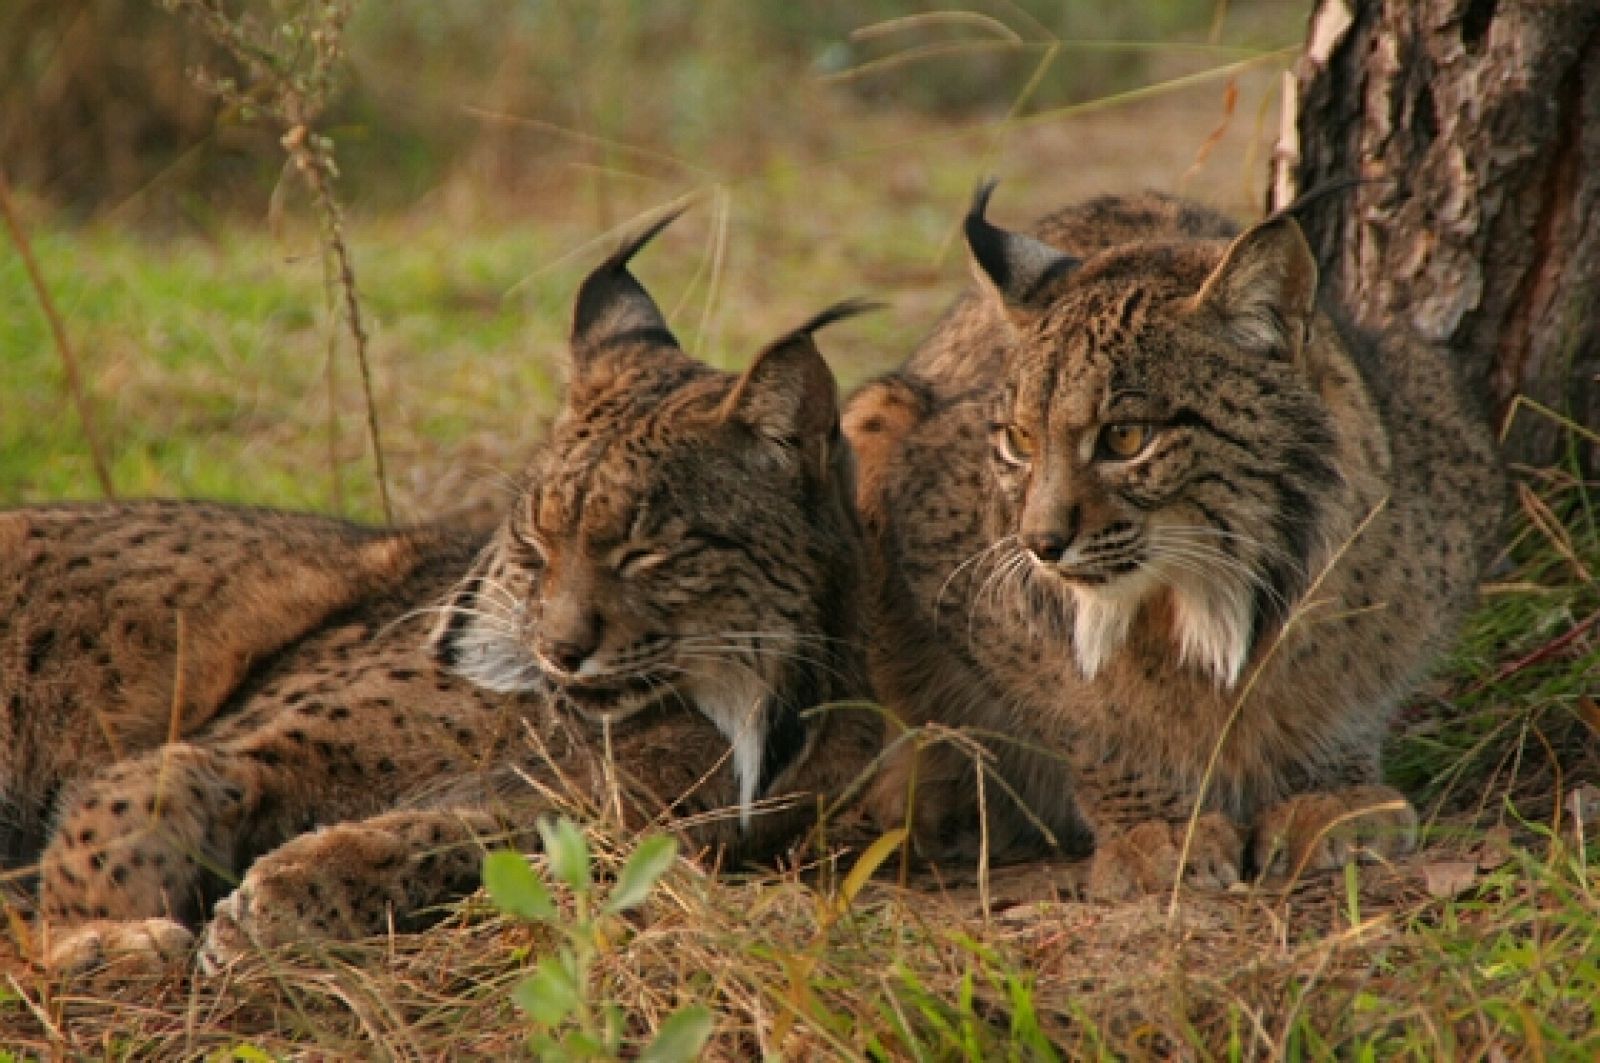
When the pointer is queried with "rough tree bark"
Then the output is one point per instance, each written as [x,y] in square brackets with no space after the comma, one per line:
[1474,126]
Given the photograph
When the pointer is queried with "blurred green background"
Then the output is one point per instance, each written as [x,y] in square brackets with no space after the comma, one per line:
[489,150]
[99,98]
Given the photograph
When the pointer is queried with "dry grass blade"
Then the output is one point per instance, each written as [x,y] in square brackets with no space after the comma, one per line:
[1523,402]
[923,53]
[293,85]
[1162,88]
[1230,102]
[1543,653]
[974,19]
[317,170]
[580,137]
[1540,516]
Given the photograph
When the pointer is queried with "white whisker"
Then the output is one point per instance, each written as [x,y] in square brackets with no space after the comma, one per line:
[998,544]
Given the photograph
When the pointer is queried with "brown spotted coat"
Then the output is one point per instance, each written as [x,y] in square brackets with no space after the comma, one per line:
[1290,540]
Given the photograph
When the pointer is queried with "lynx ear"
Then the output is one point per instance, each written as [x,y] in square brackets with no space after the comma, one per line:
[1013,268]
[788,394]
[1264,292]
[613,305]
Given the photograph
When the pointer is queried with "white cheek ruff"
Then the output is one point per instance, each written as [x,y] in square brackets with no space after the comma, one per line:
[1212,627]
[734,700]
[1099,628]
[493,661]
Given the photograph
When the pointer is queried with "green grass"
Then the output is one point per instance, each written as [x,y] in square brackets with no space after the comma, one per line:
[204,357]
[205,364]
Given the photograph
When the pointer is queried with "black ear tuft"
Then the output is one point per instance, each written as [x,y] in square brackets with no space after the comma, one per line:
[1015,267]
[837,312]
[612,303]
[980,232]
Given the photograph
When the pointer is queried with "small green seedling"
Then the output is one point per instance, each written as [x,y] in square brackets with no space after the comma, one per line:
[559,996]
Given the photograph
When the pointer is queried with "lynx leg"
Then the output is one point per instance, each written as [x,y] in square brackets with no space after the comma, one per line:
[135,856]
[119,949]
[930,790]
[147,837]
[350,880]
[948,821]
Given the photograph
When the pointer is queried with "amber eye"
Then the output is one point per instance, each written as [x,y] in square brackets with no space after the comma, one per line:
[1019,444]
[1120,442]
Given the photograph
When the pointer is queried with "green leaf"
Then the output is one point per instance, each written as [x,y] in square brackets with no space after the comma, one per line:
[643,869]
[581,1045]
[546,1049]
[547,995]
[681,1037]
[568,850]
[879,851]
[515,888]
[240,1053]
[612,1023]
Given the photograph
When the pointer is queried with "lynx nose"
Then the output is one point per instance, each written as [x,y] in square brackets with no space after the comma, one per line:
[568,656]
[1046,546]
[569,635]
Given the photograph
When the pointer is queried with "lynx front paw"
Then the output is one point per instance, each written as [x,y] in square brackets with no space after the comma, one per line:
[1322,831]
[344,882]
[131,949]
[1146,858]
[336,883]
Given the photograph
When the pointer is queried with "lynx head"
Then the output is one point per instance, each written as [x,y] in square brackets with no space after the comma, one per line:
[684,534]
[1158,443]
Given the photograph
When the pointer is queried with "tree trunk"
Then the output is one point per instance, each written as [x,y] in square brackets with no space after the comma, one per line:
[1473,127]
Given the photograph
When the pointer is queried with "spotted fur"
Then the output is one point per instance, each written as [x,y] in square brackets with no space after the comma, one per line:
[1290,537]
[356,713]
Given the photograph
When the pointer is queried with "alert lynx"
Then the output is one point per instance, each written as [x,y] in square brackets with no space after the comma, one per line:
[1139,503]
[660,622]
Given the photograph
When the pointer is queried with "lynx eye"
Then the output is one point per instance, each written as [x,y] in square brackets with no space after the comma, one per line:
[1119,442]
[1016,444]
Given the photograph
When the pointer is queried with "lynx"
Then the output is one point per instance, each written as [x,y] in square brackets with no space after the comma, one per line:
[1170,540]
[327,723]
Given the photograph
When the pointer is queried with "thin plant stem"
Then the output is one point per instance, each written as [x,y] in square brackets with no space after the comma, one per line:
[69,360]
[314,167]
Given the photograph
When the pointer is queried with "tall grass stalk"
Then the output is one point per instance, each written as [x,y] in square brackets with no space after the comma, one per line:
[293,68]
[69,359]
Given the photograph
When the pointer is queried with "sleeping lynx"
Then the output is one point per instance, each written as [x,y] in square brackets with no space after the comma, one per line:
[681,562]
[1139,503]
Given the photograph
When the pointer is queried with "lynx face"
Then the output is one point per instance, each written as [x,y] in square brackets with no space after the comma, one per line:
[1158,435]
[686,534]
